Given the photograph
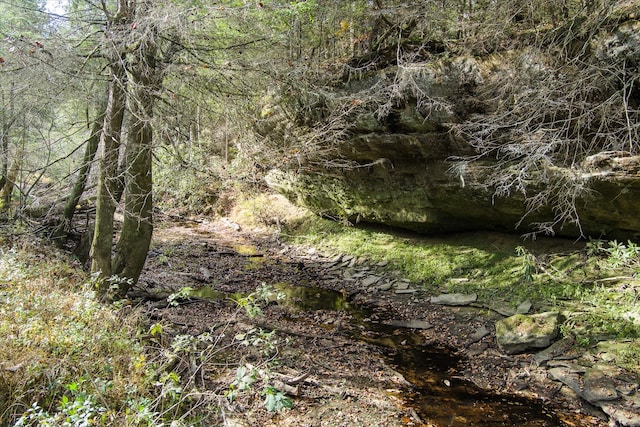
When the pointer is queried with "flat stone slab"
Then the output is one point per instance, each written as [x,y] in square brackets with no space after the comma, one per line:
[592,386]
[454,299]
[480,333]
[405,291]
[625,413]
[371,280]
[384,286]
[622,415]
[521,332]
[598,387]
[410,324]
[561,349]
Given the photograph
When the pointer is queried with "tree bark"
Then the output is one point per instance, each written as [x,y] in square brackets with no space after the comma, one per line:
[108,179]
[135,238]
[144,78]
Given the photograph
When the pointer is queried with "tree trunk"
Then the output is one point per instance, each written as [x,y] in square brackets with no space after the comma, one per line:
[59,234]
[131,251]
[108,179]
[135,238]
[9,183]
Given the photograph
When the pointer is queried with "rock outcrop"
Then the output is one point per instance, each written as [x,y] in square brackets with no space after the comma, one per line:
[413,160]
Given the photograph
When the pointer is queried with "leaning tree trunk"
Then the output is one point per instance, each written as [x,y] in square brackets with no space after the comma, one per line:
[60,233]
[108,180]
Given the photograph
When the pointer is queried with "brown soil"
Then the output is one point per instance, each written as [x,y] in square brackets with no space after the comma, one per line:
[331,366]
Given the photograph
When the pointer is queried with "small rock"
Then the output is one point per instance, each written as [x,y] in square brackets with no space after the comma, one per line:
[371,280]
[558,349]
[454,299]
[405,291]
[524,308]
[336,259]
[348,273]
[402,285]
[480,333]
[384,286]
[502,308]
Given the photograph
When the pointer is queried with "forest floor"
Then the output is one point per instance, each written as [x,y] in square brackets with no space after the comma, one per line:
[340,352]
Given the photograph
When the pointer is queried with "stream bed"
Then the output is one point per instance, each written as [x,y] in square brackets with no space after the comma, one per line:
[434,390]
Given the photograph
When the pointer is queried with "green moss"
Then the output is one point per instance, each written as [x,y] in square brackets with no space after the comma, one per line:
[554,274]
[487,262]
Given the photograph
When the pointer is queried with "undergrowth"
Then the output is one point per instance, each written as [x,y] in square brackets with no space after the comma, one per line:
[63,356]
[68,360]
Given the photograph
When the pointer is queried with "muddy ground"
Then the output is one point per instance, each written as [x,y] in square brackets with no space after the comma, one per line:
[427,364]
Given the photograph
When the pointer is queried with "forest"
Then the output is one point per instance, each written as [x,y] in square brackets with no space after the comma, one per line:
[319,212]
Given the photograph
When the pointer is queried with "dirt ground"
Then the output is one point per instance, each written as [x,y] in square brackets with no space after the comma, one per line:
[426,366]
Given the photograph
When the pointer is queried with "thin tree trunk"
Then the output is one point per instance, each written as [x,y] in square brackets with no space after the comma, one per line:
[108,180]
[7,121]
[59,234]
[9,184]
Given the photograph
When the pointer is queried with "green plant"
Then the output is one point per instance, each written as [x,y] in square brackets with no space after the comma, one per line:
[267,293]
[528,262]
[620,255]
[617,255]
[275,400]
[249,304]
[183,294]
[595,247]
[245,378]
[79,410]
[258,338]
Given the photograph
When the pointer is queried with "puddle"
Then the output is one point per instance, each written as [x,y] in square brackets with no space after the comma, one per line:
[437,393]
[440,396]
[302,298]
[206,292]
[296,298]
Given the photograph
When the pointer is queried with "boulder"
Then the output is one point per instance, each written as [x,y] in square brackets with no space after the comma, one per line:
[522,332]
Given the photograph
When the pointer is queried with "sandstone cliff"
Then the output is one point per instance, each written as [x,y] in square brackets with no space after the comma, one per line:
[511,140]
